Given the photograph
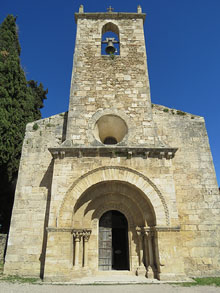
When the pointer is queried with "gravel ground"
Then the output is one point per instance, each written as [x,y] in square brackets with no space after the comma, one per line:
[29,288]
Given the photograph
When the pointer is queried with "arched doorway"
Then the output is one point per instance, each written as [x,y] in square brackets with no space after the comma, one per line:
[113,242]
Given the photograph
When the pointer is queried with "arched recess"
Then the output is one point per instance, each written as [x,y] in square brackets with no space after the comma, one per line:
[120,194]
[112,112]
[115,206]
[113,173]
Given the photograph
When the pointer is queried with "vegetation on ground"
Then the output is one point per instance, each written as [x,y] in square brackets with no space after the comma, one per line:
[18,279]
[208,281]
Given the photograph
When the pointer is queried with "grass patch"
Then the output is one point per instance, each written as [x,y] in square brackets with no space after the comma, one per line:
[49,125]
[18,279]
[35,126]
[209,281]
[181,113]
[166,110]
[112,56]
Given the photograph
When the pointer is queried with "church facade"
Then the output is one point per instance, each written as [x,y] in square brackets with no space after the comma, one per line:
[116,183]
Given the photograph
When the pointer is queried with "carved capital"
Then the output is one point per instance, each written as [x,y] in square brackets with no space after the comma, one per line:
[129,155]
[86,235]
[170,155]
[145,231]
[55,155]
[138,231]
[62,154]
[79,233]
[146,155]
[162,155]
[77,236]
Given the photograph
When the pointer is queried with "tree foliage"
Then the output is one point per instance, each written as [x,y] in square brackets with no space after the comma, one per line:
[20,103]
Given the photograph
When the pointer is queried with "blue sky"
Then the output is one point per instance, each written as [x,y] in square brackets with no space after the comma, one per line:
[183,48]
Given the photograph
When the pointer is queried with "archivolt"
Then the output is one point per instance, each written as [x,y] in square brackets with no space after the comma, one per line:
[114,206]
[108,173]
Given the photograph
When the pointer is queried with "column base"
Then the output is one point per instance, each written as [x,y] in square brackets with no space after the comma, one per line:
[141,271]
[150,273]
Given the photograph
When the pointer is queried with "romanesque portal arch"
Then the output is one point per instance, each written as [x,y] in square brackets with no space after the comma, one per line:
[136,187]
[128,192]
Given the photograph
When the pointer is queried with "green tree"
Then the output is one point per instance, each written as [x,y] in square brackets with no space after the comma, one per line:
[20,103]
[39,95]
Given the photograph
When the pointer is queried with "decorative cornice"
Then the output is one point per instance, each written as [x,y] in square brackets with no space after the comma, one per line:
[166,229]
[113,151]
[107,15]
[55,229]
[83,232]
[147,230]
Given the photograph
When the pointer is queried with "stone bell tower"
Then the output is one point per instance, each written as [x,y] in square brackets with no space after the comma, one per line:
[110,93]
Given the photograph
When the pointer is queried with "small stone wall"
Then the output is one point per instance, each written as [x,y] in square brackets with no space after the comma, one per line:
[3,239]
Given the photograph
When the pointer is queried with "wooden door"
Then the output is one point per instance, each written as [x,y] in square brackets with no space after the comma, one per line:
[105,242]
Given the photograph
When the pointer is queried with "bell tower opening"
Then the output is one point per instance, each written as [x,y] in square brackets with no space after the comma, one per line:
[113,242]
[110,39]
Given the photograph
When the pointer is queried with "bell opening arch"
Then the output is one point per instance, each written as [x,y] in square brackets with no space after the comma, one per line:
[110,39]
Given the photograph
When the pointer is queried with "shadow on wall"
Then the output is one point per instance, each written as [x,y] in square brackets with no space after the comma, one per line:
[46,182]
[64,126]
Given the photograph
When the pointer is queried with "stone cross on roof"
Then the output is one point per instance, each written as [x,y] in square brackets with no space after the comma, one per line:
[110,9]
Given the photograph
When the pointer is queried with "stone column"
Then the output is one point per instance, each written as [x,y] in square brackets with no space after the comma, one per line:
[157,257]
[86,235]
[145,231]
[151,255]
[140,244]
[77,237]
[141,270]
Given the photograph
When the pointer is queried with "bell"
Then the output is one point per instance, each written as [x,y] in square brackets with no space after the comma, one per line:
[110,49]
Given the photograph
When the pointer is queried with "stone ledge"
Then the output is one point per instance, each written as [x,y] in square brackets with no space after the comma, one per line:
[107,15]
[113,152]
[167,229]
[159,229]
[68,230]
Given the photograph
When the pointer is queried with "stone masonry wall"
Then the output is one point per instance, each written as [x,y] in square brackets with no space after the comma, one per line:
[25,251]
[195,187]
[188,179]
